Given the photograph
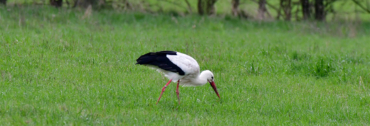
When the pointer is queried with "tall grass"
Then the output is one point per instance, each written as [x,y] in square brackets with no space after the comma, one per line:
[58,68]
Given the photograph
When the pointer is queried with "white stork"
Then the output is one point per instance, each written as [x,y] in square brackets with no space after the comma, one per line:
[177,67]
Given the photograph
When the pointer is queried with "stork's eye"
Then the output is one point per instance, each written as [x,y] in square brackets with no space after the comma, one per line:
[212,77]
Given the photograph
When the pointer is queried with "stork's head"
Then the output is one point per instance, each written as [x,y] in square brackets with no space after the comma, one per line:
[210,78]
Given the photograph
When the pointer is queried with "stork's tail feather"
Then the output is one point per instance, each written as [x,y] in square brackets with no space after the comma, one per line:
[151,57]
[160,60]
[145,59]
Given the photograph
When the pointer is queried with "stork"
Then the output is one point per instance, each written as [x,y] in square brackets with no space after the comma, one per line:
[177,67]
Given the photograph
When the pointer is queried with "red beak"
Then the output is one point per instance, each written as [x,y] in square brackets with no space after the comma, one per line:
[214,88]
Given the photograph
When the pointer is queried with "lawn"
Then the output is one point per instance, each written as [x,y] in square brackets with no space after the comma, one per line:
[58,68]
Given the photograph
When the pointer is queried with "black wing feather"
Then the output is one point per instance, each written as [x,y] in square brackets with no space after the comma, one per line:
[160,60]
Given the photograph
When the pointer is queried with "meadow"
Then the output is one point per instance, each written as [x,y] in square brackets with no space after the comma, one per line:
[59,67]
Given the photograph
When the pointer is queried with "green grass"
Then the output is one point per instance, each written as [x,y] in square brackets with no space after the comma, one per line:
[59,69]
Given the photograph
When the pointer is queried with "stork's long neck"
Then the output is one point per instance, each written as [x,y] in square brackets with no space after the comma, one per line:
[201,79]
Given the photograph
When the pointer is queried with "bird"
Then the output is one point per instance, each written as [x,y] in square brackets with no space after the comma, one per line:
[177,67]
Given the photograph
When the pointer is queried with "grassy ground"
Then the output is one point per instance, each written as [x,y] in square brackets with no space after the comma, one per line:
[59,69]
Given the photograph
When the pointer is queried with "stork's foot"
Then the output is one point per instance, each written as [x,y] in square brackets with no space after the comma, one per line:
[177,91]
[163,89]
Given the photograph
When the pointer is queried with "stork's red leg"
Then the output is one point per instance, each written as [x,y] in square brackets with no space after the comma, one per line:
[177,90]
[164,88]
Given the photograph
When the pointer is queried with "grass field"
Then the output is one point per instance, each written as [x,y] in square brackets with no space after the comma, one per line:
[60,69]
